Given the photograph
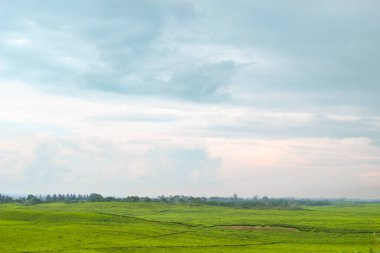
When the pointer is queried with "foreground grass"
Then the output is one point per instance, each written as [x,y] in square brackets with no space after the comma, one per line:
[156,227]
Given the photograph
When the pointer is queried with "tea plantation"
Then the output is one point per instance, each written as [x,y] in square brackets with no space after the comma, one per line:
[157,227]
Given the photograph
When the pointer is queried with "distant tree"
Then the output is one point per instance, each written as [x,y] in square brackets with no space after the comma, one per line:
[32,200]
[109,199]
[147,199]
[61,197]
[132,199]
[5,199]
[95,197]
[196,200]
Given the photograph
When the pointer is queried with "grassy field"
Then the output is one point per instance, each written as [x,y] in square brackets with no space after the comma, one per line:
[156,227]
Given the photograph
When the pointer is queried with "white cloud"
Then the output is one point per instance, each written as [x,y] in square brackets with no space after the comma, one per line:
[16,40]
[316,167]
[216,96]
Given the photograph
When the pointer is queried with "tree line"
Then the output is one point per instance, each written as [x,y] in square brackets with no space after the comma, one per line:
[234,201]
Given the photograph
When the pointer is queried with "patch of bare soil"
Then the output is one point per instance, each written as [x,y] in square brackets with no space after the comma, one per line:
[261,228]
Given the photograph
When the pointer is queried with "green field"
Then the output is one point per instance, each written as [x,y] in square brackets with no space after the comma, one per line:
[157,227]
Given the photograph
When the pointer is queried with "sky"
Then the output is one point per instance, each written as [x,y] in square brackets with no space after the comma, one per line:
[203,98]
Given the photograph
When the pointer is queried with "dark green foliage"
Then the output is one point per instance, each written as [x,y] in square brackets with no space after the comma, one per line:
[94,197]
[5,199]
[234,201]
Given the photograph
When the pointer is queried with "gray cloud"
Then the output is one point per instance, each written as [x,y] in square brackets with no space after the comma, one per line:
[132,47]
[119,47]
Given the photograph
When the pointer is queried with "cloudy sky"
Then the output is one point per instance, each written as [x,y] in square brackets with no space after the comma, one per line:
[211,97]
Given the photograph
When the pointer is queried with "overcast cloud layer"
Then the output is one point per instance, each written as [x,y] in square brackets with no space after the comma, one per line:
[277,98]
